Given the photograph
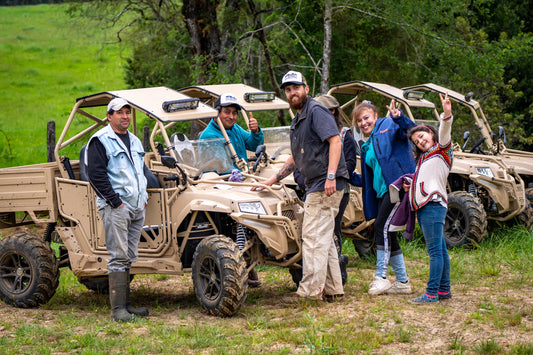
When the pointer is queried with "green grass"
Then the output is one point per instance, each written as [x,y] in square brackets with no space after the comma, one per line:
[490,313]
[48,60]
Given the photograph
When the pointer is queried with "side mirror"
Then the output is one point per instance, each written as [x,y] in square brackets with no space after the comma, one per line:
[260,150]
[466,138]
[168,161]
[501,134]
[468,96]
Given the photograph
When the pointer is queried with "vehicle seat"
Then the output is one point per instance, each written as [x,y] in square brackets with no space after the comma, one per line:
[151,180]
[83,164]
[184,149]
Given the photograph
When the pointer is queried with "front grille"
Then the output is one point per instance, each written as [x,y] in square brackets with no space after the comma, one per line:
[289,214]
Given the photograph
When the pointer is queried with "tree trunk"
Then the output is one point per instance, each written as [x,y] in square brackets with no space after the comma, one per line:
[268,59]
[324,82]
[201,20]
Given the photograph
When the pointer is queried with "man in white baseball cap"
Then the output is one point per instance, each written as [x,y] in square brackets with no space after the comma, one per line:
[293,77]
[228,109]
[317,152]
[115,163]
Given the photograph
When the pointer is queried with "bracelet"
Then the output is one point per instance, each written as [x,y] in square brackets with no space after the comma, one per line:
[445,118]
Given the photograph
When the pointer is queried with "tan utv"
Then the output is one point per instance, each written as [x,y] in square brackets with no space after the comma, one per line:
[480,187]
[198,219]
[519,160]
[270,158]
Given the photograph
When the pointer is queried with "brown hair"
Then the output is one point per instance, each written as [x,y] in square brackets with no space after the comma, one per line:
[421,128]
[363,106]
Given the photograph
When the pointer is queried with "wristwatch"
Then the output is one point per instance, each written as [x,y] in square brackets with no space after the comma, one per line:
[331,176]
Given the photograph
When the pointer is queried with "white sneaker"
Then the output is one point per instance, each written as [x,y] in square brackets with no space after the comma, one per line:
[398,287]
[379,286]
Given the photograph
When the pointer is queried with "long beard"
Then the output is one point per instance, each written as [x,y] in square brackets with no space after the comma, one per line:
[299,104]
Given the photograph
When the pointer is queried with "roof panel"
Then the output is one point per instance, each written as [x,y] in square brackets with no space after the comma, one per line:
[353,87]
[238,90]
[441,89]
[150,101]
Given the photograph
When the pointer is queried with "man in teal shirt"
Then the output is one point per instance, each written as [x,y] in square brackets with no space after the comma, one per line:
[228,108]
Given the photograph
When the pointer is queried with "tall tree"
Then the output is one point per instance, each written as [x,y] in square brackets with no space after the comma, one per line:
[200,16]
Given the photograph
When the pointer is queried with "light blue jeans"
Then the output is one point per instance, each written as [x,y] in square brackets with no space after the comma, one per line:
[431,220]
[122,234]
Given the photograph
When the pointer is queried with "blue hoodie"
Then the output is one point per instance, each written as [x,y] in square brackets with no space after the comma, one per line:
[394,153]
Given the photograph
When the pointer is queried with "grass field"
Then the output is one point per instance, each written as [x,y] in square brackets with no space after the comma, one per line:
[491,312]
[47,61]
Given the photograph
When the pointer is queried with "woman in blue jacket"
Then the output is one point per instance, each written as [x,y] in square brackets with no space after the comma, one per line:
[385,156]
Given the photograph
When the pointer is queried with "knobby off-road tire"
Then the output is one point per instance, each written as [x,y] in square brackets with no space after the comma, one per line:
[526,217]
[466,220]
[29,271]
[219,276]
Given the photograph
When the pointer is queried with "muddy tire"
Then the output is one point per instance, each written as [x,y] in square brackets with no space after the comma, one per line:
[29,271]
[526,217]
[466,220]
[219,276]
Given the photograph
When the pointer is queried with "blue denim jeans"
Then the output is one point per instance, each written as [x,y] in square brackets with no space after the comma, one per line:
[431,221]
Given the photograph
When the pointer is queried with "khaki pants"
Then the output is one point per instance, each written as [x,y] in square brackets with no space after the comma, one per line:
[321,270]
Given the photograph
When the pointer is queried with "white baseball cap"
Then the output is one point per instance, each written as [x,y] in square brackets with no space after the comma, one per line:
[117,103]
[227,99]
[293,77]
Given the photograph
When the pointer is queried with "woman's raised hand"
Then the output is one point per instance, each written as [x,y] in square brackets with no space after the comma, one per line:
[446,105]
[394,112]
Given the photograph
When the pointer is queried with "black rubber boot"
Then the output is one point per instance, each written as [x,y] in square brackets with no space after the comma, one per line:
[118,290]
[141,311]
[343,262]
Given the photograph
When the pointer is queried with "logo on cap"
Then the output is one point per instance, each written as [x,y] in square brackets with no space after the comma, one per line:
[292,77]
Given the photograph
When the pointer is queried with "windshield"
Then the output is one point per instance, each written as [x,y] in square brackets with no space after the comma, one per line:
[277,140]
[204,155]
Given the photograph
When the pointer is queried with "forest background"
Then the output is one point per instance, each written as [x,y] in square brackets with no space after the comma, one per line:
[480,46]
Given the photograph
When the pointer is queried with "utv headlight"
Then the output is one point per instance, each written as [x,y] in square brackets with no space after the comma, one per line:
[485,172]
[252,207]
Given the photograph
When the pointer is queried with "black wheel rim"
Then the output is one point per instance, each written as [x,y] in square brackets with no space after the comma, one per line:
[210,280]
[455,225]
[15,273]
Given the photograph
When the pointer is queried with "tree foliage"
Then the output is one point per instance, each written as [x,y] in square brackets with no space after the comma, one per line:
[482,46]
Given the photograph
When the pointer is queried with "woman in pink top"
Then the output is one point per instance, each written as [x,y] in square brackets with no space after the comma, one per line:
[428,197]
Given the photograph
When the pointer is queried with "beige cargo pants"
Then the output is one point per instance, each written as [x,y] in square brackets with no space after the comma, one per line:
[321,270]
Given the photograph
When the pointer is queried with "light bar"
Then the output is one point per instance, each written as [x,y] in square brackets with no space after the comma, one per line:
[413,95]
[180,105]
[259,96]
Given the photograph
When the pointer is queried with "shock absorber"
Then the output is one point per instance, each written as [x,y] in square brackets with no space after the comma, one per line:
[241,237]
[472,189]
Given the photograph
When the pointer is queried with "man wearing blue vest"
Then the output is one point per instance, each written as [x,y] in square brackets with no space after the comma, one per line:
[115,160]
